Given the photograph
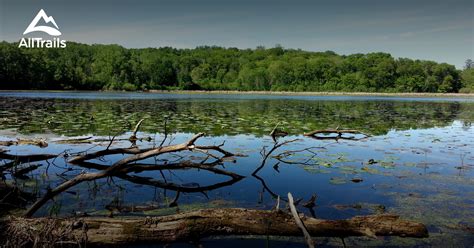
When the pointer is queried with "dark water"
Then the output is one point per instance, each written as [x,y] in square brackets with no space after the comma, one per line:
[423,149]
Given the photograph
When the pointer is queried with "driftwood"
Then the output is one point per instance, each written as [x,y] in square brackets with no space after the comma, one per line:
[326,134]
[80,140]
[89,140]
[215,222]
[35,142]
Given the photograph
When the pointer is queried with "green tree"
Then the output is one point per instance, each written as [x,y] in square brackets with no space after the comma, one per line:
[112,67]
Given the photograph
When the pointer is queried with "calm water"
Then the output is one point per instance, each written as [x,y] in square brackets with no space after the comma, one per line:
[422,148]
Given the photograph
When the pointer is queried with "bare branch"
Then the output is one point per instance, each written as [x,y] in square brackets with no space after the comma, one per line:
[299,223]
[123,166]
[267,154]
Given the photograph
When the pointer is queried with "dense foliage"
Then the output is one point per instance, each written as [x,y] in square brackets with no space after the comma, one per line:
[112,67]
[467,77]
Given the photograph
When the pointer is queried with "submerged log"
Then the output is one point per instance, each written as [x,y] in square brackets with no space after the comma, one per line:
[192,226]
[331,131]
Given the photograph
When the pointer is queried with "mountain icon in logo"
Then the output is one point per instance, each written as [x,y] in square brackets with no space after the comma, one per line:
[47,29]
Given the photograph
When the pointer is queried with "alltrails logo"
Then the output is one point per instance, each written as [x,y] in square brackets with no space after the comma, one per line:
[40,42]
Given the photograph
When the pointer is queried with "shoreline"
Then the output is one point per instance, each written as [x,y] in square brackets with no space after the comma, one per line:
[282,93]
[312,93]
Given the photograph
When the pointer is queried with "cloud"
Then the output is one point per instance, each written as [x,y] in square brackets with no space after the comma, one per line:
[435,30]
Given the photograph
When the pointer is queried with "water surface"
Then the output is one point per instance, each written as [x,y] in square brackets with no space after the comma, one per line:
[417,162]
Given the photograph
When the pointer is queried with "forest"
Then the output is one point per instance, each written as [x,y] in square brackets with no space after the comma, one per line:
[112,67]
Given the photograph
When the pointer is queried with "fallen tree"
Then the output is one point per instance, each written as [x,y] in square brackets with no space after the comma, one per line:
[125,165]
[192,226]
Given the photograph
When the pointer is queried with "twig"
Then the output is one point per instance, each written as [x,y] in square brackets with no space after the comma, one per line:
[166,134]
[110,143]
[277,207]
[267,154]
[311,202]
[275,133]
[174,203]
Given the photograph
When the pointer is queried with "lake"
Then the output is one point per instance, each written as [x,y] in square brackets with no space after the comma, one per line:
[417,160]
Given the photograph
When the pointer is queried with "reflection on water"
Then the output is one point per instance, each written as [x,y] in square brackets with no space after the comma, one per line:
[418,162]
[220,116]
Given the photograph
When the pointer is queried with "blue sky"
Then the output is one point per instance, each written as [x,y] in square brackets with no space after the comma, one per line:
[433,30]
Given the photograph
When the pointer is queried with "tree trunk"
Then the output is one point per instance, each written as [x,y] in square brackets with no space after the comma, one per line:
[192,226]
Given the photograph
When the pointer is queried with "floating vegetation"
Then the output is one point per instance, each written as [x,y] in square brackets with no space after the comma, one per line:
[338,180]
[75,117]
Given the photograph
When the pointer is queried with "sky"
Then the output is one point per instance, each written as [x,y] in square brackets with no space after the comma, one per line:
[442,31]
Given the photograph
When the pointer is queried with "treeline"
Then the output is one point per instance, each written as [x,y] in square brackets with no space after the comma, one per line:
[112,67]
[467,77]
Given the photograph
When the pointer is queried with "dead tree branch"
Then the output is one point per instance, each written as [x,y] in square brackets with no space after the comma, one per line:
[133,137]
[266,154]
[121,167]
[101,153]
[168,185]
[326,134]
[276,133]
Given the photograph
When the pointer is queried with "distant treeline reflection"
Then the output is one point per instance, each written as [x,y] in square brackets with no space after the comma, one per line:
[224,117]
